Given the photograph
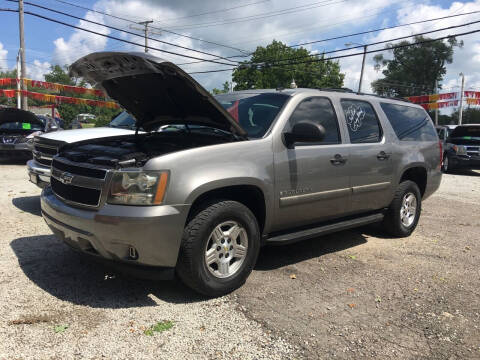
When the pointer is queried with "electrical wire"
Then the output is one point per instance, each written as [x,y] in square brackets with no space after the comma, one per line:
[153,27]
[121,30]
[116,38]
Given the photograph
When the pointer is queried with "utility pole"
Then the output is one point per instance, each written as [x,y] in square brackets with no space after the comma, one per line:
[363,67]
[363,63]
[436,109]
[460,111]
[23,69]
[146,31]
[19,102]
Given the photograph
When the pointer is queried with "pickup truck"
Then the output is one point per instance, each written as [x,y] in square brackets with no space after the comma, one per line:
[234,172]
[461,146]
[46,146]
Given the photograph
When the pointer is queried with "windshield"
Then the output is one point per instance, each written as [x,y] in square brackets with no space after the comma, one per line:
[254,112]
[466,132]
[123,120]
[26,126]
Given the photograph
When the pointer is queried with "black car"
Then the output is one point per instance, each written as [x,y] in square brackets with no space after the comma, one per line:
[461,147]
[17,129]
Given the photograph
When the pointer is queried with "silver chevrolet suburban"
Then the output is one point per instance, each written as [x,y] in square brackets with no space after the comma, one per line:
[231,173]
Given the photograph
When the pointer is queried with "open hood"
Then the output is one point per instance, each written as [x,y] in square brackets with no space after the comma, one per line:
[156,92]
[27,119]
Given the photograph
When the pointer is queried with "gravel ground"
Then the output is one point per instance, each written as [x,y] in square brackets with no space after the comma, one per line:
[44,286]
[355,294]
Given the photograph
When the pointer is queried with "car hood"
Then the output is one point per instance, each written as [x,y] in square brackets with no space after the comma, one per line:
[10,115]
[155,91]
[72,136]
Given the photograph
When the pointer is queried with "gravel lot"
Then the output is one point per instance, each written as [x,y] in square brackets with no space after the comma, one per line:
[356,294]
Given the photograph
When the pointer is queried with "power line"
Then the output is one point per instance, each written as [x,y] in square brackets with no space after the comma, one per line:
[262,15]
[116,38]
[216,11]
[384,28]
[245,65]
[377,42]
[153,27]
[121,30]
[350,35]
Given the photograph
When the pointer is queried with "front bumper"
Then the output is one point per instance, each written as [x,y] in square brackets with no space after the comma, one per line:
[19,150]
[141,235]
[38,174]
[464,162]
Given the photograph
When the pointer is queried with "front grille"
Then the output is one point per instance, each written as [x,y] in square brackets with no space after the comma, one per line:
[77,170]
[43,153]
[43,161]
[76,194]
[473,150]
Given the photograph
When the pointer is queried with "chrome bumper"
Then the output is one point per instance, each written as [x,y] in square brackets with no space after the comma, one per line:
[38,174]
[140,235]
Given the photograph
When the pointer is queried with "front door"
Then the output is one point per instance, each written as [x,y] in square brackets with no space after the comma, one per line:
[312,180]
[371,169]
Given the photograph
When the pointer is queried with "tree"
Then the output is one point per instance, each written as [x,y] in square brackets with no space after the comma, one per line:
[276,65]
[68,112]
[226,89]
[414,69]
[12,74]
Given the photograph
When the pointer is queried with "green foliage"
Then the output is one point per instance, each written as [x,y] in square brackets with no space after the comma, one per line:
[316,74]
[159,327]
[60,328]
[414,69]
[8,74]
[59,75]
[226,89]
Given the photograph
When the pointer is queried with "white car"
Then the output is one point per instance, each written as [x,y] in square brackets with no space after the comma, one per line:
[46,146]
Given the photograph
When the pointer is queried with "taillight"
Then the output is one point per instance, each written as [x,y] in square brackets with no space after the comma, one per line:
[440,146]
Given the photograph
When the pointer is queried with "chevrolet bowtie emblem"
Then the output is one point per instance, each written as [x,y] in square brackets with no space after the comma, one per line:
[66,178]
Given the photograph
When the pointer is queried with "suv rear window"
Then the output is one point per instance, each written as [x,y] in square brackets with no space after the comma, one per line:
[410,123]
[362,122]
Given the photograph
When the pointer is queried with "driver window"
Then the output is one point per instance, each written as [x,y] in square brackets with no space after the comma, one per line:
[318,110]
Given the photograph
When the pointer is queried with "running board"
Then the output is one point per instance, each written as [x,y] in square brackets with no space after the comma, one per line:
[324,230]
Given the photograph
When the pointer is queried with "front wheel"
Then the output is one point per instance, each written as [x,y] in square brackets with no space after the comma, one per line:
[219,248]
[404,211]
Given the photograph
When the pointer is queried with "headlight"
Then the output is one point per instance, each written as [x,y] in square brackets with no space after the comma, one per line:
[32,135]
[138,187]
[460,149]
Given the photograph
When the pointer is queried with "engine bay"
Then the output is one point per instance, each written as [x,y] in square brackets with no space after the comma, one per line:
[136,150]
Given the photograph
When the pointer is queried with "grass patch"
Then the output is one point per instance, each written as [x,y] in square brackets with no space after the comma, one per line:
[60,328]
[159,327]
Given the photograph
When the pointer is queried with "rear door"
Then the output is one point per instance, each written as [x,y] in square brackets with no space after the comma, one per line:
[370,156]
[312,180]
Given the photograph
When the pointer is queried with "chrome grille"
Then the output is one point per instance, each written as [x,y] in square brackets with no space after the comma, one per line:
[473,150]
[75,183]
[43,152]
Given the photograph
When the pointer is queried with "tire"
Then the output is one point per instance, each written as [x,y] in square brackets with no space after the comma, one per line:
[446,164]
[206,234]
[397,221]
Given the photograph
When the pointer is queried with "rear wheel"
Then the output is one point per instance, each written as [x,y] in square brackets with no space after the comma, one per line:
[219,248]
[404,211]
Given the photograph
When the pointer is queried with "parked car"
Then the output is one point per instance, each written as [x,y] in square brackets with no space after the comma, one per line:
[46,146]
[461,146]
[18,128]
[243,169]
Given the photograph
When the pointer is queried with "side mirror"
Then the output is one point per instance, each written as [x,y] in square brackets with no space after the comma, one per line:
[305,131]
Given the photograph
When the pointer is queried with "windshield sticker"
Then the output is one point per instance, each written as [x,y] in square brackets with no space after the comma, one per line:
[26,126]
[355,115]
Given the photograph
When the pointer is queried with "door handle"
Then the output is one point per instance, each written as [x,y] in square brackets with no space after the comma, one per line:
[338,160]
[382,155]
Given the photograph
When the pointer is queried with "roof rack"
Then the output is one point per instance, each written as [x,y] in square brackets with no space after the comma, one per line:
[343,89]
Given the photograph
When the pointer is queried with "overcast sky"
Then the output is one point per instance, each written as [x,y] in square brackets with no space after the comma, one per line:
[250,23]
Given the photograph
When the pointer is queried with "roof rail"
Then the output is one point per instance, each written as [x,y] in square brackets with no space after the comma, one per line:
[387,97]
[343,89]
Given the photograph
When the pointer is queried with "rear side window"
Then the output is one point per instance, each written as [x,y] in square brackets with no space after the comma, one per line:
[410,123]
[362,122]
[318,110]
